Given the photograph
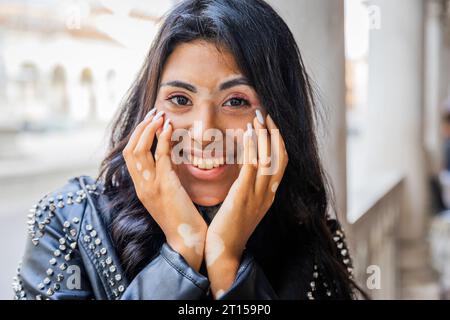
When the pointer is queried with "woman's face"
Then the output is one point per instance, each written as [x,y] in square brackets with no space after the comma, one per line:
[206,97]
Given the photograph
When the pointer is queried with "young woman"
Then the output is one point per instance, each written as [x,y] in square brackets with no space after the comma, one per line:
[201,222]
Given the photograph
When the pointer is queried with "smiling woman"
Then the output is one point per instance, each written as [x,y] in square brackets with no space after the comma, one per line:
[202,84]
[243,216]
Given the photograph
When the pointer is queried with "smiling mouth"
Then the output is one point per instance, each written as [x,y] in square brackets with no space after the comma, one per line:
[206,163]
[196,158]
[204,168]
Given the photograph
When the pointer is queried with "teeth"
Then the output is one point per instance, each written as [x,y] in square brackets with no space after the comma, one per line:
[201,163]
[207,163]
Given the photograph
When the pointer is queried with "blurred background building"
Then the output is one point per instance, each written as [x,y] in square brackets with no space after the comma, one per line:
[381,72]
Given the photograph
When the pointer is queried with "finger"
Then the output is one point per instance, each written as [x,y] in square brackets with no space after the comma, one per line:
[163,150]
[278,155]
[146,140]
[273,127]
[263,174]
[263,142]
[134,166]
[252,148]
[134,138]
[248,171]
[159,130]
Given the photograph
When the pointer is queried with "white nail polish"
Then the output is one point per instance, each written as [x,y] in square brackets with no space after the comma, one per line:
[150,113]
[158,115]
[259,116]
[166,124]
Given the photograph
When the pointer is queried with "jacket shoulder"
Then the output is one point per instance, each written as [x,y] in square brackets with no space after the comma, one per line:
[51,254]
[61,209]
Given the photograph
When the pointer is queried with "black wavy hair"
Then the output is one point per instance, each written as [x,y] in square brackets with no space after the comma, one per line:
[294,235]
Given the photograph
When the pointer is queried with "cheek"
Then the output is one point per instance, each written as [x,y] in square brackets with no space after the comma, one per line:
[238,120]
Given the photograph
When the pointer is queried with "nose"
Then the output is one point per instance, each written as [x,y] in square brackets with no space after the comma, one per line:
[204,127]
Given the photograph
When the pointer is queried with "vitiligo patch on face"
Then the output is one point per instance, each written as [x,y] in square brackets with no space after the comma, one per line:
[190,238]
[214,249]
[274,187]
[138,166]
[146,175]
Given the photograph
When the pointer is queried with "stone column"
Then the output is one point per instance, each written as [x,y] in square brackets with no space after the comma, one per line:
[436,83]
[395,133]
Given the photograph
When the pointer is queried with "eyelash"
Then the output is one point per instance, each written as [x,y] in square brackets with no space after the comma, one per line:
[245,101]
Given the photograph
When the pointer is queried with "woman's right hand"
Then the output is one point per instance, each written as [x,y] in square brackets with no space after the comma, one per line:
[159,189]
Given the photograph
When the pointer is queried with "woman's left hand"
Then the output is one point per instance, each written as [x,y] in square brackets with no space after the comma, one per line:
[249,198]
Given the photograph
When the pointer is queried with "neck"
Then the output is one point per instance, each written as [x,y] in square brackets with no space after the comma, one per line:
[208,212]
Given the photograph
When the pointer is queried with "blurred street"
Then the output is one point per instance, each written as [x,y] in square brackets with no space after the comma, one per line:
[49,162]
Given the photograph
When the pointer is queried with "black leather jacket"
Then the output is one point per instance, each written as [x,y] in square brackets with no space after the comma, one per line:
[70,255]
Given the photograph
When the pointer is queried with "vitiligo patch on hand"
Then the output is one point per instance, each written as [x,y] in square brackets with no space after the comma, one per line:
[214,249]
[146,174]
[219,293]
[138,166]
[190,238]
[274,187]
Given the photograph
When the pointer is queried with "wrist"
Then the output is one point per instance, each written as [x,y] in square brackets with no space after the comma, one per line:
[191,251]
[227,260]
[223,273]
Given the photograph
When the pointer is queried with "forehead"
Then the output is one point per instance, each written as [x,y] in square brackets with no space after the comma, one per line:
[200,63]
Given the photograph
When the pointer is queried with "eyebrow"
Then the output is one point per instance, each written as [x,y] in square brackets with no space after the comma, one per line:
[223,86]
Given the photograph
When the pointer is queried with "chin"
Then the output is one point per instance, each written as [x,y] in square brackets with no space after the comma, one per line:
[207,201]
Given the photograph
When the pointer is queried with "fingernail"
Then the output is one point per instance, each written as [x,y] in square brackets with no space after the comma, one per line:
[259,117]
[158,115]
[166,124]
[150,113]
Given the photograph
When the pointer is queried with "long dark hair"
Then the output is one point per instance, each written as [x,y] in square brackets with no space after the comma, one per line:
[294,234]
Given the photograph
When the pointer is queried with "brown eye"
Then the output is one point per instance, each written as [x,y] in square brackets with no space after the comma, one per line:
[237,102]
[179,100]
